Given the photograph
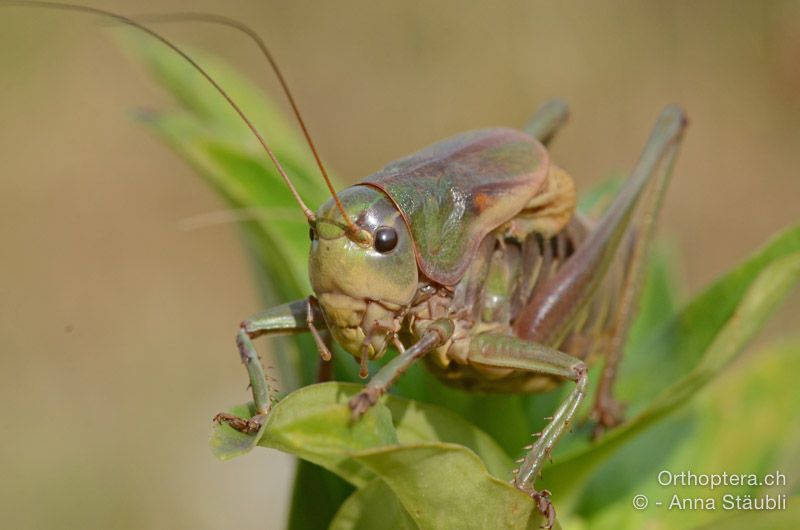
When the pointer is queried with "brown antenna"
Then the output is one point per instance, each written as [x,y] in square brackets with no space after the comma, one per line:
[130,22]
[191,16]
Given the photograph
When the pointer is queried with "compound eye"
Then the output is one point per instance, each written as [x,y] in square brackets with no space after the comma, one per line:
[312,234]
[385,239]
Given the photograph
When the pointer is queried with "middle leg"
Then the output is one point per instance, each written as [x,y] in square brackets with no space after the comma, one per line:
[505,351]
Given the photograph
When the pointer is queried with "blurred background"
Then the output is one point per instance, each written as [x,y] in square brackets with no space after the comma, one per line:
[117,325]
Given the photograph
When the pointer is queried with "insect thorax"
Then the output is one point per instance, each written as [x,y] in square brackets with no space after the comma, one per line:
[512,263]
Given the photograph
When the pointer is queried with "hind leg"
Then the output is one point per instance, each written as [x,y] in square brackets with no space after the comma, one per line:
[547,120]
[607,411]
[551,313]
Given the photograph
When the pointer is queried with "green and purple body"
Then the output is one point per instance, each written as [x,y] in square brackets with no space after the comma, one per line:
[476,261]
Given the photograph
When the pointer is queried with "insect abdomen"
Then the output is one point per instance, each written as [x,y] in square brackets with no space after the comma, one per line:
[505,276]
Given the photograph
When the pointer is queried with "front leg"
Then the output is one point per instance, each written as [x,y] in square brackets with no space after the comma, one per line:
[511,352]
[438,333]
[294,317]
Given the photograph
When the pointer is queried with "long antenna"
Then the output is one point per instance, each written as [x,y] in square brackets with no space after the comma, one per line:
[130,22]
[191,16]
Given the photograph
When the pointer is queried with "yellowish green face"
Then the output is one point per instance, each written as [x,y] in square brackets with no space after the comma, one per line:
[362,289]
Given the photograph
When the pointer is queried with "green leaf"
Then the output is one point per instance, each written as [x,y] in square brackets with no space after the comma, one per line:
[418,422]
[433,480]
[316,420]
[373,506]
[769,287]
[745,423]
[314,423]
[676,346]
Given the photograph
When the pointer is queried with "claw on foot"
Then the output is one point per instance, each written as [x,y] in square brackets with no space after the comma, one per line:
[246,426]
[545,507]
[362,402]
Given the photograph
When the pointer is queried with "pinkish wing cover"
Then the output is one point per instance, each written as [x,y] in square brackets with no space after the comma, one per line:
[455,192]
